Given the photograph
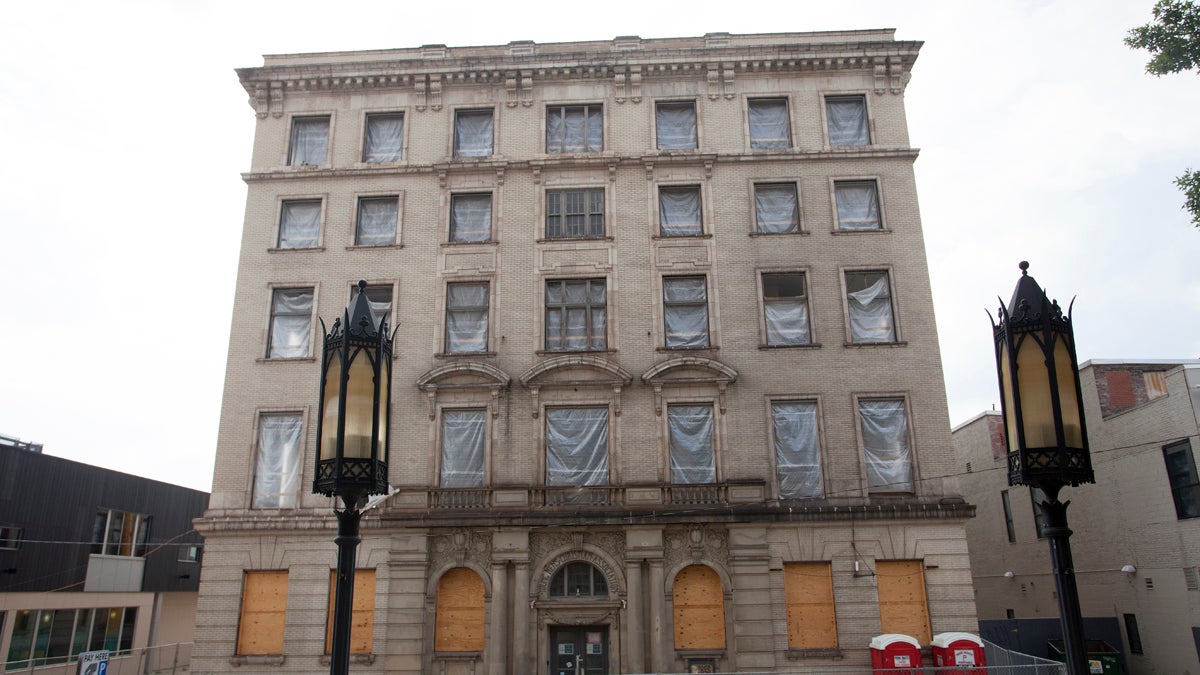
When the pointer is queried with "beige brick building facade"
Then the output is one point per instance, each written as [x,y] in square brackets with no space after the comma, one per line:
[667,389]
[1136,541]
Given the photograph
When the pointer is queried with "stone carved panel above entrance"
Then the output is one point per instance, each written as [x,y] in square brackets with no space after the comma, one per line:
[458,547]
[696,544]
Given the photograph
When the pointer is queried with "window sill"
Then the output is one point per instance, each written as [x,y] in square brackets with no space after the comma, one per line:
[553,240]
[358,659]
[756,233]
[458,656]
[776,150]
[358,247]
[455,244]
[814,653]
[381,165]
[873,230]
[702,235]
[257,660]
[700,653]
[687,349]
[898,343]
[277,249]
[850,148]
[287,359]
[453,355]
[567,352]
[810,345]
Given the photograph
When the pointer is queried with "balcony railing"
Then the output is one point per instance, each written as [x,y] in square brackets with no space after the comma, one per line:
[606,496]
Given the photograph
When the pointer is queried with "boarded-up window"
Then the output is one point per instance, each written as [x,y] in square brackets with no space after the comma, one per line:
[264,604]
[699,609]
[362,616]
[460,612]
[812,623]
[902,605]
[1120,391]
[1156,384]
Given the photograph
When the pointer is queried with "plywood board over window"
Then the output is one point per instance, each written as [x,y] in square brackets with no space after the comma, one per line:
[362,615]
[902,603]
[699,609]
[460,612]
[811,620]
[264,605]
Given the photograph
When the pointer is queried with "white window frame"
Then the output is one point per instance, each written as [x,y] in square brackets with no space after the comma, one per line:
[762,306]
[289,150]
[403,135]
[270,328]
[675,102]
[470,110]
[138,540]
[897,335]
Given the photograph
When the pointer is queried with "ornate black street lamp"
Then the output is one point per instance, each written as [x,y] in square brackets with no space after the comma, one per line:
[352,442]
[1042,403]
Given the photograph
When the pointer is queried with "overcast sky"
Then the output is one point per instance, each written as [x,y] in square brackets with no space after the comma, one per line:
[126,131]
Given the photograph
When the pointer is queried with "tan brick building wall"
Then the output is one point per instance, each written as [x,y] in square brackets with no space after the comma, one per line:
[640,530]
[1128,517]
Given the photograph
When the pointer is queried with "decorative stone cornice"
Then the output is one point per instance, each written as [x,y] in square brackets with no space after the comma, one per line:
[626,62]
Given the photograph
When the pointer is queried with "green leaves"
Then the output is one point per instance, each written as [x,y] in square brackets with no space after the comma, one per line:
[1189,184]
[1173,37]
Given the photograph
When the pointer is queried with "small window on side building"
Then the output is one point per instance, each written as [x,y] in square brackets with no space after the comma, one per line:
[1182,477]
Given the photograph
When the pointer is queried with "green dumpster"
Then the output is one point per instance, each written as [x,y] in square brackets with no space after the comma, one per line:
[1102,658]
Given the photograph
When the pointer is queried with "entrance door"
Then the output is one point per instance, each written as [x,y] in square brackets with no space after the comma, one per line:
[579,650]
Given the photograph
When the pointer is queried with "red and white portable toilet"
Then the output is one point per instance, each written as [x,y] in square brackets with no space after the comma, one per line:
[959,649]
[893,650]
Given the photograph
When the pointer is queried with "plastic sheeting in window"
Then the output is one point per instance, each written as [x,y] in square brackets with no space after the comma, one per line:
[786,321]
[471,217]
[675,125]
[847,116]
[797,453]
[473,133]
[769,124]
[299,224]
[310,141]
[377,220]
[385,138]
[679,209]
[277,469]
[291,316]
[885,445]
[870,308]
[690,429]
[466,318]
[776,209]
[576,446]
[464,438]
[685,311]
[857,205]
[574,129]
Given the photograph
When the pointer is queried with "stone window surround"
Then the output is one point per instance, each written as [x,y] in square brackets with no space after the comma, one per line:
[280,200]
[376,194]
[822,446]
[896,324]
[829,147]
[914,455]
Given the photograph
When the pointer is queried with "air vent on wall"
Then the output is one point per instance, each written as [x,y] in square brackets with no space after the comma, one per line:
[1149,584]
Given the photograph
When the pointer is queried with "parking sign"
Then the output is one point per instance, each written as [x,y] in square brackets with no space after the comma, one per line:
[93,663]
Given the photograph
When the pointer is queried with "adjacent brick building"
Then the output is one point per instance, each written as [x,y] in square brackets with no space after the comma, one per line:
[667,390]
[1136,540]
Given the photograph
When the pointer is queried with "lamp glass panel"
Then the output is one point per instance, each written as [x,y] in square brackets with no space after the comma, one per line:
[385,389]
[1033,386]
[1006,390]
[329,406]
[1068,395]
[360,390]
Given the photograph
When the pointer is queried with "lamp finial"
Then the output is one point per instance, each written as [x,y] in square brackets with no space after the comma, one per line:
[1024,267]
[362,283]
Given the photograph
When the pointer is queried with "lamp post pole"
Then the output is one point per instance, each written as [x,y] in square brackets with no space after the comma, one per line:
[347,541]
[1042,401]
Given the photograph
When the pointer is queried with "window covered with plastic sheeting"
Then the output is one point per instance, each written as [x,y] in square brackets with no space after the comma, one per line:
[776,208]
[379,299]
[291,319]
[574,214]
[576,315]
[769,123]
[471,217]
[797,452]
[277,467]
[576,446]
[473,133]
[847,118]
[785,309]
[377,221]
[690,434]
[574,128]
[384,140]
[466,318]
[464,440]
[857,205]
[885,445]
[299,223]
[685,311]
[310,141]
[679,211]
[869,304]
[675,125]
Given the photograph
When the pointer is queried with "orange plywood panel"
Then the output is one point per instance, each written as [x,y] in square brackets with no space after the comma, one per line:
[902,602]
[264,606]
[811,619]
[699,609]
[460,612]
[362,616]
